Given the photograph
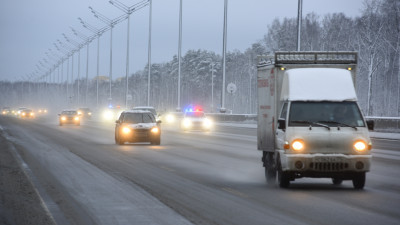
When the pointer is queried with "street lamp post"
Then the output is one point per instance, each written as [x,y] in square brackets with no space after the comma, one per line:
[98,32]
[78,46]
[111,23]
[71,52]
[223,109]
[299,18]
[87,41]
[128,10]
[149,56]
[67,58]
[212,87]
[178,109]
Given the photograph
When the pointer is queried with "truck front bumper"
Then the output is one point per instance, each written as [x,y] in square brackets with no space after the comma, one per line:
[325,163]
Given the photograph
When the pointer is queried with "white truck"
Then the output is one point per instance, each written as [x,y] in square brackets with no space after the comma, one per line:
[309,121]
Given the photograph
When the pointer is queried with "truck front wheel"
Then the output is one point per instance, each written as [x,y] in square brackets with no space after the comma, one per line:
[359,181]
[283,177]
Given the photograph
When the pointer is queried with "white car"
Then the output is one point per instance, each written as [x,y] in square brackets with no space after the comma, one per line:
[196,120]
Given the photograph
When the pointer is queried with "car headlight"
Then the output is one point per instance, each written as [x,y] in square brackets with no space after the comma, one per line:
[207,123]
[126,130]
[23,114]
[63,118]
[298,145]
[89,113]
[155,130]
[76,118]
[361,146]
[186,123]
[108,115]
[32,114]
[170,118]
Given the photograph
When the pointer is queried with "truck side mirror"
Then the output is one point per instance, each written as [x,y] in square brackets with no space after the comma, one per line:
[117,121]
[370,124]
[281,124]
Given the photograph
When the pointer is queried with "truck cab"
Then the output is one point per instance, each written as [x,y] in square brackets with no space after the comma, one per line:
[309,121]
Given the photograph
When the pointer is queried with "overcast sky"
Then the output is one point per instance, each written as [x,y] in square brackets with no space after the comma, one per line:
[28,28]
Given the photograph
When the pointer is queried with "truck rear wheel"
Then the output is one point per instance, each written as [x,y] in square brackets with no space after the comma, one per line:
[359,181]
[269,165]
[270,176]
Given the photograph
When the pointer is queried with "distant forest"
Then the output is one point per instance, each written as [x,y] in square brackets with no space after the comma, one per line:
[375,35]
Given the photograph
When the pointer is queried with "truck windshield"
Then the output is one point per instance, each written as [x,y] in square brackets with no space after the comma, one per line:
[332,114]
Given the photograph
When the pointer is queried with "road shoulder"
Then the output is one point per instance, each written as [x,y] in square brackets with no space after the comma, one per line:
[19,200]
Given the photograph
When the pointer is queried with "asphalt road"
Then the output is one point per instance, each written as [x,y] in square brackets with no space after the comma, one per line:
[193,177]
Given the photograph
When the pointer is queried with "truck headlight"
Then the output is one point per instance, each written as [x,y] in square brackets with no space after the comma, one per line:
[155,130]
[63,118]
[298,145]
[76,118]
[126,130]
[360,146]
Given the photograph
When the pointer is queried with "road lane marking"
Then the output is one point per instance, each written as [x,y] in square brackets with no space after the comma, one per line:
[234,192]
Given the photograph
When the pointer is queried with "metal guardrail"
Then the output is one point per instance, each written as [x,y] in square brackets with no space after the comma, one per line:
[386,124]
[383,124]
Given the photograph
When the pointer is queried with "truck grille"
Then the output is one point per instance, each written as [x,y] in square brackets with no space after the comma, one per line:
[329,166]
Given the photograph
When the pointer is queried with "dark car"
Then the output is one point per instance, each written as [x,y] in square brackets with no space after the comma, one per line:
[69,117]
[137,126]
[85,112]
[6,111]
[27,113]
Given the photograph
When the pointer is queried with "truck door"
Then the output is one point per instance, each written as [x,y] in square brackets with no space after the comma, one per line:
[280,131]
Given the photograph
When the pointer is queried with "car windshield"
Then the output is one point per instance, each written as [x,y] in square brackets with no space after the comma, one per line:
[138,118]
[69,113]
[194,114]
[330,114]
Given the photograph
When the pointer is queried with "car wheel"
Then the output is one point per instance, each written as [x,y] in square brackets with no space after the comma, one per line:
[158,141]
[120,141]
[359,181]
